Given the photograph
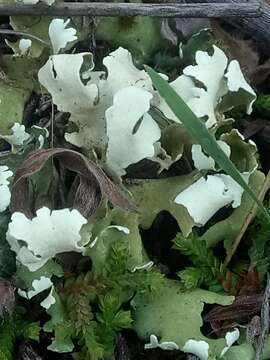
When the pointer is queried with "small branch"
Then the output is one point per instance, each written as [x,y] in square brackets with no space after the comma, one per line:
[22,33]
[264,320]
[250,217]
[199,10]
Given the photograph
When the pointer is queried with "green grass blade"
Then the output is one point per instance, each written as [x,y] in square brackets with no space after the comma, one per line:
[200,133]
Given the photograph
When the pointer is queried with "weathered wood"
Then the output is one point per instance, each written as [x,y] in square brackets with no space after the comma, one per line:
[199,10]
[258,28]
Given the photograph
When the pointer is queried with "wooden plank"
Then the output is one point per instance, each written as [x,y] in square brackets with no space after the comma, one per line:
[198,10]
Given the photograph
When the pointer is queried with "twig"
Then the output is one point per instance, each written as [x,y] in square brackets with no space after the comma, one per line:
[22,33]
[199,10]
[264,320]
[251,215]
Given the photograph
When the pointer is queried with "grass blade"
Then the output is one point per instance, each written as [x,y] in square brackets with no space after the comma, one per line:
[200,133]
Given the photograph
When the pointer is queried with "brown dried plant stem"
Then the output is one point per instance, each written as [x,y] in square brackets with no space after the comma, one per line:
[250,217]
[22,33]
[192,10]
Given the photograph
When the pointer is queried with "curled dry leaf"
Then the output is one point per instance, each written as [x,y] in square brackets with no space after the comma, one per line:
[245,52]
[91,182]
[244,306]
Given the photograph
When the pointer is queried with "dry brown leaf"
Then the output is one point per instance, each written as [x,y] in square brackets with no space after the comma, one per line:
[245,52]
[91,182]
[242,307]
[77,195]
